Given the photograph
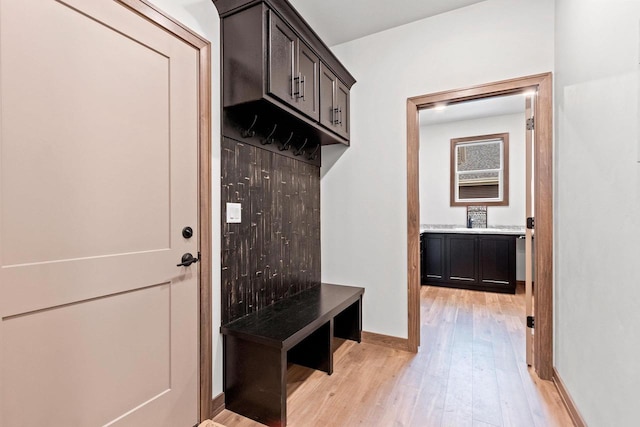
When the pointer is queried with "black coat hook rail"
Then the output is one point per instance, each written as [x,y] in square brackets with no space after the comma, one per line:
[269,139]
[250,133]
[272,132]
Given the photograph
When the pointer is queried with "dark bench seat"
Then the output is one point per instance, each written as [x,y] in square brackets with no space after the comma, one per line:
[298,329]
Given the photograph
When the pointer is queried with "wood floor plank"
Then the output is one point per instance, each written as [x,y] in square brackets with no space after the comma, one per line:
[486,394]
[513,401]
[470,371]
[459,397]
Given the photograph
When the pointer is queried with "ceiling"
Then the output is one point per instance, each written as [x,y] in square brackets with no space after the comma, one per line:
[470,110]
[339,21]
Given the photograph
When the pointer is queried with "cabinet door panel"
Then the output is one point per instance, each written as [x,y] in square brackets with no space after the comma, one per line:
[328,82]
[497,260]
[434,258]
[307,83]
[342,101]
[282,50]
[462,261]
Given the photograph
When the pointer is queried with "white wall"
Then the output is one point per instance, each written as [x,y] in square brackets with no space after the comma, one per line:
[435,170]
[201,16]
[363,187]
[597,207]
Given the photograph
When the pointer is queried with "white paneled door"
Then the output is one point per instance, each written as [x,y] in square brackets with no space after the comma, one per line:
[98,177]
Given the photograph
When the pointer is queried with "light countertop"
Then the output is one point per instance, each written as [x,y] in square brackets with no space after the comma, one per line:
[494,229]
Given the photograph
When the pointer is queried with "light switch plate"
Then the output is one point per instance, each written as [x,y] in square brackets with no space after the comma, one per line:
[234,213]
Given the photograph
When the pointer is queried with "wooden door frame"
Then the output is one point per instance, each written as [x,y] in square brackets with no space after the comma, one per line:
[203,46]
[543,194]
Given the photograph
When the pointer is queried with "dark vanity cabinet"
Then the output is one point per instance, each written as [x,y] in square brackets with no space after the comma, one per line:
[276,68]
[432,258]
[461,259]
[471,261]
[497,261]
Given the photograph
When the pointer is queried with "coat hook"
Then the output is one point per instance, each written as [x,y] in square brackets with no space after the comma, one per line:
[287,144]
[313,154]
[301,149]
[250,132]
[268,139]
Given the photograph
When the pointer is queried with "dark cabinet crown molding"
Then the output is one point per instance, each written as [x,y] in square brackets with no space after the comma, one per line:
[293,18]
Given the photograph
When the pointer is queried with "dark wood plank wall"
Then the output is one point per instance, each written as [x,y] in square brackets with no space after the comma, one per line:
[275,252]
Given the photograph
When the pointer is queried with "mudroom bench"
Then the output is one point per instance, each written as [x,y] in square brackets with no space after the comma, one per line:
[298,329]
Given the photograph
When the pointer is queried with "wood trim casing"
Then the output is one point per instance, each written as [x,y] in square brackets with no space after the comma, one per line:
[505,172]
[523,283]
[152,13]
[206,260]
[203,46]
[574,413]
[217,405]
[542,83]
[385,341]
[543,213]
[413,225]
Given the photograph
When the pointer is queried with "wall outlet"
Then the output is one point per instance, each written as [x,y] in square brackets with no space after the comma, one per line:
[234,213]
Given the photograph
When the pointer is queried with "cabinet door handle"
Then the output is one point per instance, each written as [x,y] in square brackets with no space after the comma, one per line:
[293,85]
[296,93]
[304,87]
[301,87]
[338,115]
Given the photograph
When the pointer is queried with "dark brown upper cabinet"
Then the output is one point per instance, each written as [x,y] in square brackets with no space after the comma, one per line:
[334,103]
[293,68]
[272,63]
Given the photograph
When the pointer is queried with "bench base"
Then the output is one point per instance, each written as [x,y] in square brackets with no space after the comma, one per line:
[255,370]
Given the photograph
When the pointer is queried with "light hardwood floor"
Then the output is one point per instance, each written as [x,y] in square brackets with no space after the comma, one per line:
[470,371]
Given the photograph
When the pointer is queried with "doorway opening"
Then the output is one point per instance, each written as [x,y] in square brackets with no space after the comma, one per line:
[540,85]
